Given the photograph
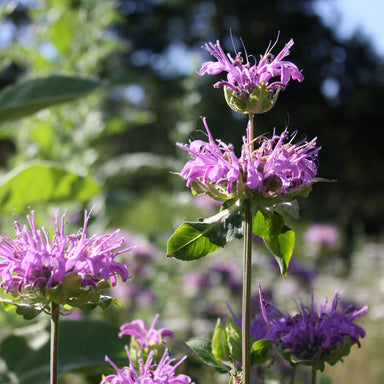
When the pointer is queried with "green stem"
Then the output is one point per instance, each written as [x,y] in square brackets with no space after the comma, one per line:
[54,344]
[247,264]
[314,373]
[246,302]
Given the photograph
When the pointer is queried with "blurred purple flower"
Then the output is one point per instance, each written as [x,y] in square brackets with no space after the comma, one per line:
[325,234]
[34,262]
[145,337]
[276,167]
[195,281]
[150,372]
[314,337]
[254,88]
[205,203]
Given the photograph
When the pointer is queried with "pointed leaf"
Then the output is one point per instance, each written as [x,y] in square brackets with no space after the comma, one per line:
[203,348]
[289,209]
[194,240]
[27,311]
[278,237]
[41,182]
[234,339]
[220,347]
[29,96]
[259,351]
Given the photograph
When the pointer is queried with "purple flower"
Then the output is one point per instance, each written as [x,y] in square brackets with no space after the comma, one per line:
[322,234]
[314,337]
[251,88]
[149,371]
[34,262]
[212,163]
[276,167]
[145,337]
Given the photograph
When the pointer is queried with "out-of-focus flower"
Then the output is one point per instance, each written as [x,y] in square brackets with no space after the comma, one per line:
[145,337]
[33,263]
[275,167]
[149,372]
[314,337]
[251,88]
[322,234]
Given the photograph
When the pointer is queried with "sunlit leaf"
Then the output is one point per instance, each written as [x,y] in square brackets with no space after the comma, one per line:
[194,240]
[278,237]
[29,96]
[259,351]
[34,183]
[233,332]
[220,347]
[203,348]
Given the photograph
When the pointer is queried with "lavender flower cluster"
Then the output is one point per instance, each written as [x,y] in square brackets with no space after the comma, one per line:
[311,336]
[146,370]
[276,167]
[34,262]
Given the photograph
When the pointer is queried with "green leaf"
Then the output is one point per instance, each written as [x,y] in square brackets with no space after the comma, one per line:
[42,182]
[288,209]
[203,348]
[233,332]
[194,240]
[29,96]
[83,346]
[220,348]
[27,311]
[278,237]
[259,351]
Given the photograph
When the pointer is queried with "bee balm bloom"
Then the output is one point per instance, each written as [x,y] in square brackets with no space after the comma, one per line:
[143,336]
[314,337]
[34,263]
[251,88]
[149,372]
[267,168]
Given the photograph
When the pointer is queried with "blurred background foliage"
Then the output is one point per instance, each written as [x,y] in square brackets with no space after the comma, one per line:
[124,135]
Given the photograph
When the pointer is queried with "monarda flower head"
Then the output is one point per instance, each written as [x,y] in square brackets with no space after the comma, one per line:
[314,337]
[148,372]
[144,339]
[268,168]
[64,269]
[251,88]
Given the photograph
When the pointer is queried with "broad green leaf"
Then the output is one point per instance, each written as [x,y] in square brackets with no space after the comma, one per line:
[203,348]
[40,182]
[278,237]
[194,240]
[83,346]
[220,347]
[29,96]
[259,351]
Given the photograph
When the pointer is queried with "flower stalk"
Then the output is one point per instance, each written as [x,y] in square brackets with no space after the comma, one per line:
[314,374]
[247,276]
[54,343]
[246,300]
